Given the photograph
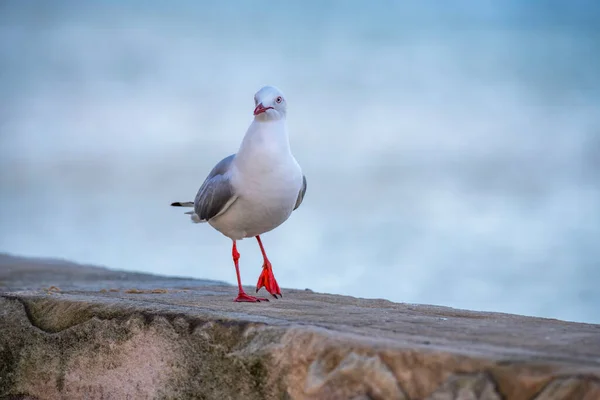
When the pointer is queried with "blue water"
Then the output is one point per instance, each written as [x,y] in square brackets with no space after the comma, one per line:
[452,149]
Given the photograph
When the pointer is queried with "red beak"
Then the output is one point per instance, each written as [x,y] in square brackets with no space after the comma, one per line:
[261,109]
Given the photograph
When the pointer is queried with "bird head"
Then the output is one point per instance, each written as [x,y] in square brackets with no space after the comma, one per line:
[269,104]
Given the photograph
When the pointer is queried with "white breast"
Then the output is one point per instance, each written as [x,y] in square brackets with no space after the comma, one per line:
[267,180]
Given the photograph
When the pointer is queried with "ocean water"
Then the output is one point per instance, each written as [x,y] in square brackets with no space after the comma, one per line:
[452,149]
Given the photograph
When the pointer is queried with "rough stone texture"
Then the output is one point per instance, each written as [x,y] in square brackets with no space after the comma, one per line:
[72,332]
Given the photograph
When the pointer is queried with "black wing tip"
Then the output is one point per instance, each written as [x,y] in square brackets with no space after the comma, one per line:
[176,204]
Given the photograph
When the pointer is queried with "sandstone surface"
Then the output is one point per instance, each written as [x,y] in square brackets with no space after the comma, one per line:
[70,332]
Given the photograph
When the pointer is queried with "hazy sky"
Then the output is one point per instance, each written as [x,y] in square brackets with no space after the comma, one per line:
[452,150]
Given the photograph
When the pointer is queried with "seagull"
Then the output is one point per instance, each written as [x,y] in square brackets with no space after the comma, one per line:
[256,189]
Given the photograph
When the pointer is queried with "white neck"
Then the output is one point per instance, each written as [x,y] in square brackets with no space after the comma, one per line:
[267,138]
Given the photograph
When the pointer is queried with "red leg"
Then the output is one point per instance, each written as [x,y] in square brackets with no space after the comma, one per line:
[266,278]
[242,296]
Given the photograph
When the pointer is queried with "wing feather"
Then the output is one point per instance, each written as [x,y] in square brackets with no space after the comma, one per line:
[216,193]
[301,193]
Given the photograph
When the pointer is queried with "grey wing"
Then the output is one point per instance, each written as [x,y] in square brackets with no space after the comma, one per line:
[216,193]
[301,193]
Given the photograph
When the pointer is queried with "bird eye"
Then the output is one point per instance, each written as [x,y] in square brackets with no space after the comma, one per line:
[279,99]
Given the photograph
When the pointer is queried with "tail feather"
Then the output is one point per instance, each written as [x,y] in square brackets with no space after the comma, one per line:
[195,218]
[183,204]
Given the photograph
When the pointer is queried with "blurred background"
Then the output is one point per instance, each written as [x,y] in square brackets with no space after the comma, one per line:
[452,149]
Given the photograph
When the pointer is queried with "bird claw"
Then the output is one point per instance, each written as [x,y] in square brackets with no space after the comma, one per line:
[267,280]
[244,298]
[274,295]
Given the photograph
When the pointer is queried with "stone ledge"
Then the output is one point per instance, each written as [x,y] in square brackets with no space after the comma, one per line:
[142,336]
